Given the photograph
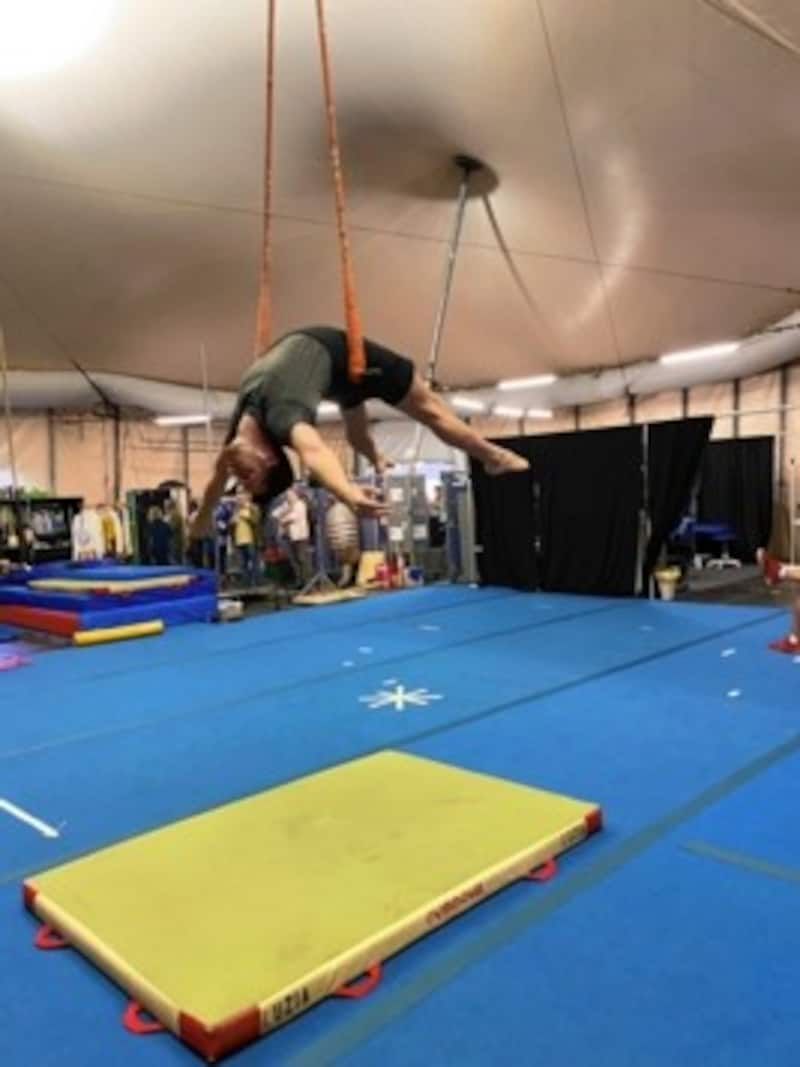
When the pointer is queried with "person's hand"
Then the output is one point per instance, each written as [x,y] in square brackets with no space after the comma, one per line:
[382,463]
[367,502]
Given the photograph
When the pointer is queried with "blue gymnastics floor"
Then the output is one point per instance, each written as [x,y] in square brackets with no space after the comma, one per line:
[671,937]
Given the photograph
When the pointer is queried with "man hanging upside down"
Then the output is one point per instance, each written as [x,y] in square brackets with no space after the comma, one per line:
[277,404]
[775,571]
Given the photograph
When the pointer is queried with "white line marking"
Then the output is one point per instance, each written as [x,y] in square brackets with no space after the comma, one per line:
[24,816]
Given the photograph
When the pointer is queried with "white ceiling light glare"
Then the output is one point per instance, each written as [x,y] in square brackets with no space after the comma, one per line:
[504,412]
[689,355]
[182,420]
[39,36]
[527,383]
[538,413]
[464,403]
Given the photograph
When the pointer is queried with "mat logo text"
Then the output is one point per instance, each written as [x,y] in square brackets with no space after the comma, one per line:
[455,904]
[290,1005]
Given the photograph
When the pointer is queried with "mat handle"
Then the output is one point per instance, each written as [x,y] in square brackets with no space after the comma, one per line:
[48,939]
[132,1020]
[362,986]
[548,870]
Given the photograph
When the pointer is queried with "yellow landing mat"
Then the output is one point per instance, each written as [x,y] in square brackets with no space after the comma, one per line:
[228,924]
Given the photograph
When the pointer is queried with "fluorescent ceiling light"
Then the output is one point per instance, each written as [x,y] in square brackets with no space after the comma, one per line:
[528,383]
[182,420]
[508,413]
[724,348]
[466,404]
[40,35]
[539,413]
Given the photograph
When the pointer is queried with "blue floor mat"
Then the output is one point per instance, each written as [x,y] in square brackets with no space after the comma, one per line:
[758,823]
[667,962]
[657,711]
[167,768]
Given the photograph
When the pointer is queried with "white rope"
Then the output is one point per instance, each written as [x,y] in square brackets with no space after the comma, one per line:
[7,407]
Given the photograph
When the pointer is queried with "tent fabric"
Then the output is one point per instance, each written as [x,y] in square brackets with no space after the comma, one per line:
[639,193]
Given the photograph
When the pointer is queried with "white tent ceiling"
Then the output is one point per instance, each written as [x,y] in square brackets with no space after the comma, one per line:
[644,192]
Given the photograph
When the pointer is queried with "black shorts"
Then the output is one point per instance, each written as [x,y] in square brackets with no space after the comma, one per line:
[393,378]
[388,374]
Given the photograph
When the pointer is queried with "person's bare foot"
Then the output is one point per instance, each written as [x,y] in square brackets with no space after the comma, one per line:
[506,462]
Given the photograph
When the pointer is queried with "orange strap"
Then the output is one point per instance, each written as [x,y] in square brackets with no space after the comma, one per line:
[264,312]
[356,358]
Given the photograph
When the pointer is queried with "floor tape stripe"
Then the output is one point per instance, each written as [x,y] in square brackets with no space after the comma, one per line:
[743,861]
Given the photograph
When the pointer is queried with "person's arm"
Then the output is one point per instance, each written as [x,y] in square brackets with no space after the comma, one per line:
[324,465]
[359,436]
[201,521]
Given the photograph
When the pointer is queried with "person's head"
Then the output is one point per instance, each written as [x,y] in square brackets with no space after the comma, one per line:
[259,465]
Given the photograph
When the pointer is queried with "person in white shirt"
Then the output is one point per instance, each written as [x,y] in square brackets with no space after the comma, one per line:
[292,516]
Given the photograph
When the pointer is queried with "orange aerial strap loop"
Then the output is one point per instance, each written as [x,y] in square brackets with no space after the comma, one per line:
[356,358]
[264,312]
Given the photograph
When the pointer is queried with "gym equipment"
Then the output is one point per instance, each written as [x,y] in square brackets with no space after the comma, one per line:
[356,357]
[293,893]
[468,166]
[459,527]
[103,636]
[65,599]
[417,536]
[264,311]
[321,588]
[112,585]
[368,569]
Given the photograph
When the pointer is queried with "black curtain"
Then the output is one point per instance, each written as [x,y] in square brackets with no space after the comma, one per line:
[505,525]
[737,488]
[590,490]
[571,524]
[675,452]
